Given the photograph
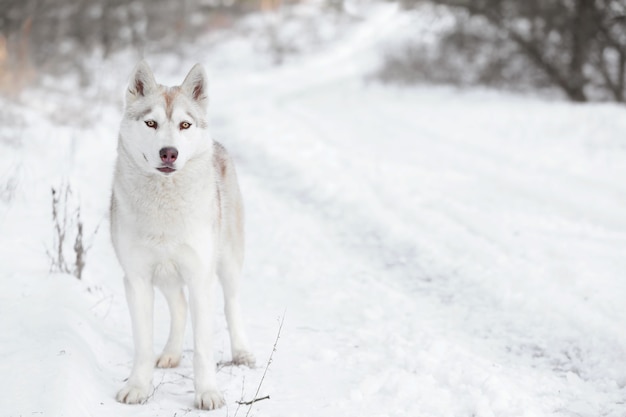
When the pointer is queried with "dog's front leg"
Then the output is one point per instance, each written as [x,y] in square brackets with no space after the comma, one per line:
[140,297]
[201,300]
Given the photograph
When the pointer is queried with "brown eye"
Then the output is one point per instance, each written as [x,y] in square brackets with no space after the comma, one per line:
[151,123]
[185,125]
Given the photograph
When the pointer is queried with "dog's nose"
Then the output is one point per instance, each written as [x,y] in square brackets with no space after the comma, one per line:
[168,155]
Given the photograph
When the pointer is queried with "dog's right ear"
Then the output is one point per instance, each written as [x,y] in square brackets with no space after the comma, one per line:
[141,83]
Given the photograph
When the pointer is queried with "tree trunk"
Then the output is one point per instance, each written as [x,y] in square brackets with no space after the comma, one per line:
[581,32]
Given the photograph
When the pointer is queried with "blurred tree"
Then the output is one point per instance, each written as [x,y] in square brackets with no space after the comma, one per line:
[578,45]
[65,36]
[56,35]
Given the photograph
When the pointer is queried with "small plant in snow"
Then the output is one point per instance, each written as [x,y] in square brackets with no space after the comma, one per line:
[67,226]
[7,189]
[256,397]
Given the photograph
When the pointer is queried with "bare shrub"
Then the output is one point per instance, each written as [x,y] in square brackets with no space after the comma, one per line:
[256,397]
[8,189]
[470,53]
[577,46]
[67,226]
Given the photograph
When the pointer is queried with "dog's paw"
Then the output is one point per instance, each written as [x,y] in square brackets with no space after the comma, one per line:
[243,357]
[209,400]
[168,360]
[133,394]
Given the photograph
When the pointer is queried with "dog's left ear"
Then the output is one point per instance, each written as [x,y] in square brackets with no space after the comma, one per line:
[196,85]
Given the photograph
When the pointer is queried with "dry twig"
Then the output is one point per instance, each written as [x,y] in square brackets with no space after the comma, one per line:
[269,361]
[267,397]
[64,223]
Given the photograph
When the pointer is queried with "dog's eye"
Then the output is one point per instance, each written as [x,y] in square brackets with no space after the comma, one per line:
[185,125]
[151,123]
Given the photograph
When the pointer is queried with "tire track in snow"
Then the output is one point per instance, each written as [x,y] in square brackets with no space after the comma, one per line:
[286,178]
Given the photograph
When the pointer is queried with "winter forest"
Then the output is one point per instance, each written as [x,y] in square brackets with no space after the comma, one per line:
[434,190]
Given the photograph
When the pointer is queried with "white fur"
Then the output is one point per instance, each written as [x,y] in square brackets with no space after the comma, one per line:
[176,229]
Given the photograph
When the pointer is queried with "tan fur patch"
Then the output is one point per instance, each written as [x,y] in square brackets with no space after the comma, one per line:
[219,159]
[218,195]
[169,94]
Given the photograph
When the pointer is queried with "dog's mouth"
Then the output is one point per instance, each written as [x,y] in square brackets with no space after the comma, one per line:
[166,170]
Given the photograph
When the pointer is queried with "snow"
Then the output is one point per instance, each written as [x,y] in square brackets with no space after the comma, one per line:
[433,251]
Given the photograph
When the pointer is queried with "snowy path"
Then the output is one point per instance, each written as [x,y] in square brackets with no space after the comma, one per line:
[435,253]
[456,242]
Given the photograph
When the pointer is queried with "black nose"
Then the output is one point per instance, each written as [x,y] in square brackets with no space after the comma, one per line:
[168,155]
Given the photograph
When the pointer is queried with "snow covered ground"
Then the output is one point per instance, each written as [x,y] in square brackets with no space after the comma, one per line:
[433,252]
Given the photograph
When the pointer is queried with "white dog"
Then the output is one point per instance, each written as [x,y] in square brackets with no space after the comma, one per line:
[176,219]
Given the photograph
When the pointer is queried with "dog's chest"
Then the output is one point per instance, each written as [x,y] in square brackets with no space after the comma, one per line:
[171,213]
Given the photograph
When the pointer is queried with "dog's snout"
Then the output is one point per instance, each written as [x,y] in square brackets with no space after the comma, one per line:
[168,155]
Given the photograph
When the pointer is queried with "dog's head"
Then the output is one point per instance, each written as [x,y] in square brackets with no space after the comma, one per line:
[164,127]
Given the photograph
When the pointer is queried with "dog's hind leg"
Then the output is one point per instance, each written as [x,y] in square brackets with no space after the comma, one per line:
[229,273]
[175,296]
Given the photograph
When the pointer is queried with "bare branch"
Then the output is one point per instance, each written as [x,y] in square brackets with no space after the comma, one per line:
[267,397]
[269,361]
[64,224]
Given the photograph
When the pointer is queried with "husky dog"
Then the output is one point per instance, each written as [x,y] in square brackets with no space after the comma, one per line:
[176,219]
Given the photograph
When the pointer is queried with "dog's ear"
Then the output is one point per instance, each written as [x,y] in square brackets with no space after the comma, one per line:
[196,85]
[141,82]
